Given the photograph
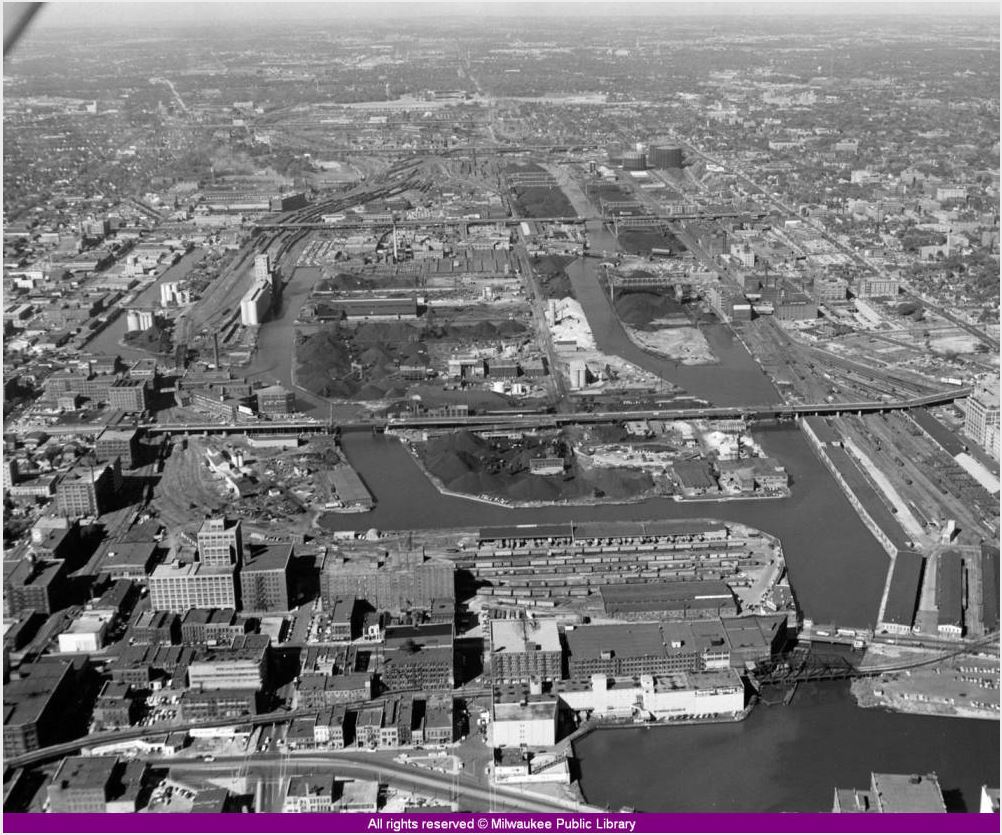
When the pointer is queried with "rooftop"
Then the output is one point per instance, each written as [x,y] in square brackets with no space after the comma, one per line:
[908,793]
[538,635]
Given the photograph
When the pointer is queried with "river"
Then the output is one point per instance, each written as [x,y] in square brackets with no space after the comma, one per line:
[786,759]
[781,758]
[107,342]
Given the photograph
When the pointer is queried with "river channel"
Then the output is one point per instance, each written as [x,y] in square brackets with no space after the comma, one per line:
[783,758]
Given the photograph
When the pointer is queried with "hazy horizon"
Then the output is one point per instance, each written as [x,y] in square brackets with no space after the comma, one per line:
[64,14]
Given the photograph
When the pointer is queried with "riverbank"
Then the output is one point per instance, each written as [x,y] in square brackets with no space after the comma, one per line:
[965,686]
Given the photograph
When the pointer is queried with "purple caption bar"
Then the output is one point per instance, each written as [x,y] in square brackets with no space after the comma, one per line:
[570,823]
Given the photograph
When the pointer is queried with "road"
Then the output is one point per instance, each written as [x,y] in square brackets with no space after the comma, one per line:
[461,788]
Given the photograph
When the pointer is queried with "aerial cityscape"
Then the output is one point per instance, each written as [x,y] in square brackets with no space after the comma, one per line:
[436,408]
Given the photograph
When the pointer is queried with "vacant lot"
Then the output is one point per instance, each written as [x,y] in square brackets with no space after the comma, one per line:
[467,463]
[542,202]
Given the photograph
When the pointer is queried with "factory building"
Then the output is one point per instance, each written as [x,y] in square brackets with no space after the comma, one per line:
[522,650]
[419,657]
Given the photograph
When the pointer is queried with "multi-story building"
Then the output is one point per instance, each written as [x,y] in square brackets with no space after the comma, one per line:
[150,627]
[116,706]
[397,582]
[243,666]
[212,627]
[89,491]
[219,542]
[870,287]
[37,705]
[32,584]
[96,784]
[275,401]
[329,728]
[419,658]
[118,443]
[264,578]
[179,587]
[981,423]
[128,395]
[525,649]
[208,705]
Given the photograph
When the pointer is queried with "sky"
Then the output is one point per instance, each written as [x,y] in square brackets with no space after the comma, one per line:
[140,13]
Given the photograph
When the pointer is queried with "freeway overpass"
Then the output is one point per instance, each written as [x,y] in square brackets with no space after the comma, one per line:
[532,420]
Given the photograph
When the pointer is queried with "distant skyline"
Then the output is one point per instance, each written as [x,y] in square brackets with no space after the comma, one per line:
[70,13]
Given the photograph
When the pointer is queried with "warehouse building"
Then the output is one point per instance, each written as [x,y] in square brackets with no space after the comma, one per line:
[264,578]
[525,649]
[949,595]
[902,594]
[178,587]
[668,600]
[399,581]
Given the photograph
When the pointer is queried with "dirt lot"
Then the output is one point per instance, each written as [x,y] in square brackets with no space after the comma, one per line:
[553,280]
[467,463]
[642,241]
[538,201]
[362,362]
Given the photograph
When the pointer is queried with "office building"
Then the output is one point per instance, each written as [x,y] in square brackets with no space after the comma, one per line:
[219,542]
[525,649]
[178,587]
[243,666]
[264,578]
[981,423]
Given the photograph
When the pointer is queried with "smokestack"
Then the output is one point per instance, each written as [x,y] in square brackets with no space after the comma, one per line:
[215,349]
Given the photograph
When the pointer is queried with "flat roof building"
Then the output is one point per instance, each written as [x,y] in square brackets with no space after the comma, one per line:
[525,649]
[264,578]
[915,793]
[902,597]
[179,587]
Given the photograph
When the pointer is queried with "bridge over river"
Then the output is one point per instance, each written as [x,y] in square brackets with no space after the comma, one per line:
[534,419]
